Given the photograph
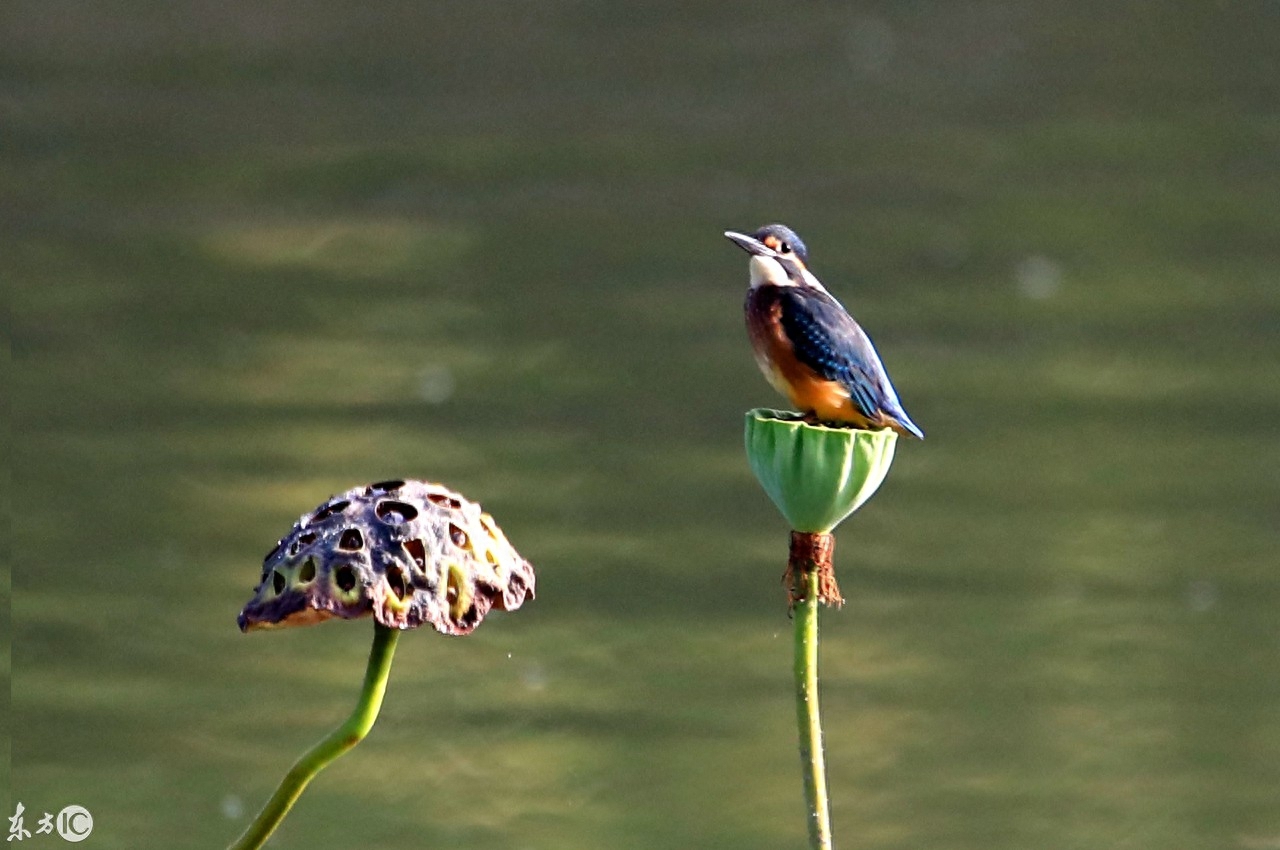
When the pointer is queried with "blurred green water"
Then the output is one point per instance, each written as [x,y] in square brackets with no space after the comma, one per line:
[262,253]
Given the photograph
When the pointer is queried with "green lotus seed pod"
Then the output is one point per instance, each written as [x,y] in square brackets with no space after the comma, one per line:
[816,475]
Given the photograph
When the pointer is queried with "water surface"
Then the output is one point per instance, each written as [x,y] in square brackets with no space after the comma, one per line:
[263,254]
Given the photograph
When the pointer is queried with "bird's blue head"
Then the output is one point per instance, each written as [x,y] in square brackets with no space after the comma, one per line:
[778,255]
[774,240]
[784,240]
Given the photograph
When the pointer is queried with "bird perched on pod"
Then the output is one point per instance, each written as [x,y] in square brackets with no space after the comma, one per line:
[807,344]
[405,552]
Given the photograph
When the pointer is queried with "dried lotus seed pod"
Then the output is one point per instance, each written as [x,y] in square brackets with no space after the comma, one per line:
[407,552]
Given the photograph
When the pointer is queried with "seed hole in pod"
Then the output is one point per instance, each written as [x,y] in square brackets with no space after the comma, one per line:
[308,571]
[330,510]
[385,486]
[277,581]
[395,581]
[417,552]
[445,500]
[345,578]
[454,586]
[301,541]
[307,539]
[458,536]
[352,540]
[395,513]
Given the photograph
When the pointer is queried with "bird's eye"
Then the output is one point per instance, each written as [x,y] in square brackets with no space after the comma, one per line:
[784,248]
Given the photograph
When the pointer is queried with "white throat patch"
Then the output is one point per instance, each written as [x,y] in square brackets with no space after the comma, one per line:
[768,271]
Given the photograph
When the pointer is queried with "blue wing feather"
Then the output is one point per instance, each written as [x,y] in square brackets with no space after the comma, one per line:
[833,345]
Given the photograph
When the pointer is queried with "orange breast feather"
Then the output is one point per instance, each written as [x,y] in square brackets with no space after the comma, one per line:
[810,393]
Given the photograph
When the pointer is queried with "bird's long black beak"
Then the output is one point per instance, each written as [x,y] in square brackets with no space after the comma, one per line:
[750,244]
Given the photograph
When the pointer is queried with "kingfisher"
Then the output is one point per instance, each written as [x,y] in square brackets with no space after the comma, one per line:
[808,345]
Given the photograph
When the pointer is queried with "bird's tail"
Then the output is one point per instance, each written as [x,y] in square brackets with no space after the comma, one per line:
[903,425]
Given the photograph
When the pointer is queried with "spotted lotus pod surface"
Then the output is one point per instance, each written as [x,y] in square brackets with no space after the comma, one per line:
[407,552]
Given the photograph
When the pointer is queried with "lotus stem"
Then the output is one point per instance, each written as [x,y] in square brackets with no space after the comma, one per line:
[806,590]
[337,742]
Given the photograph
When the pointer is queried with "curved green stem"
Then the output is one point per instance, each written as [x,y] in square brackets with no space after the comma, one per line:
[812,762]
[333,745]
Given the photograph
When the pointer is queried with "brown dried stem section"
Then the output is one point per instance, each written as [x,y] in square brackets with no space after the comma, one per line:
[812,552]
